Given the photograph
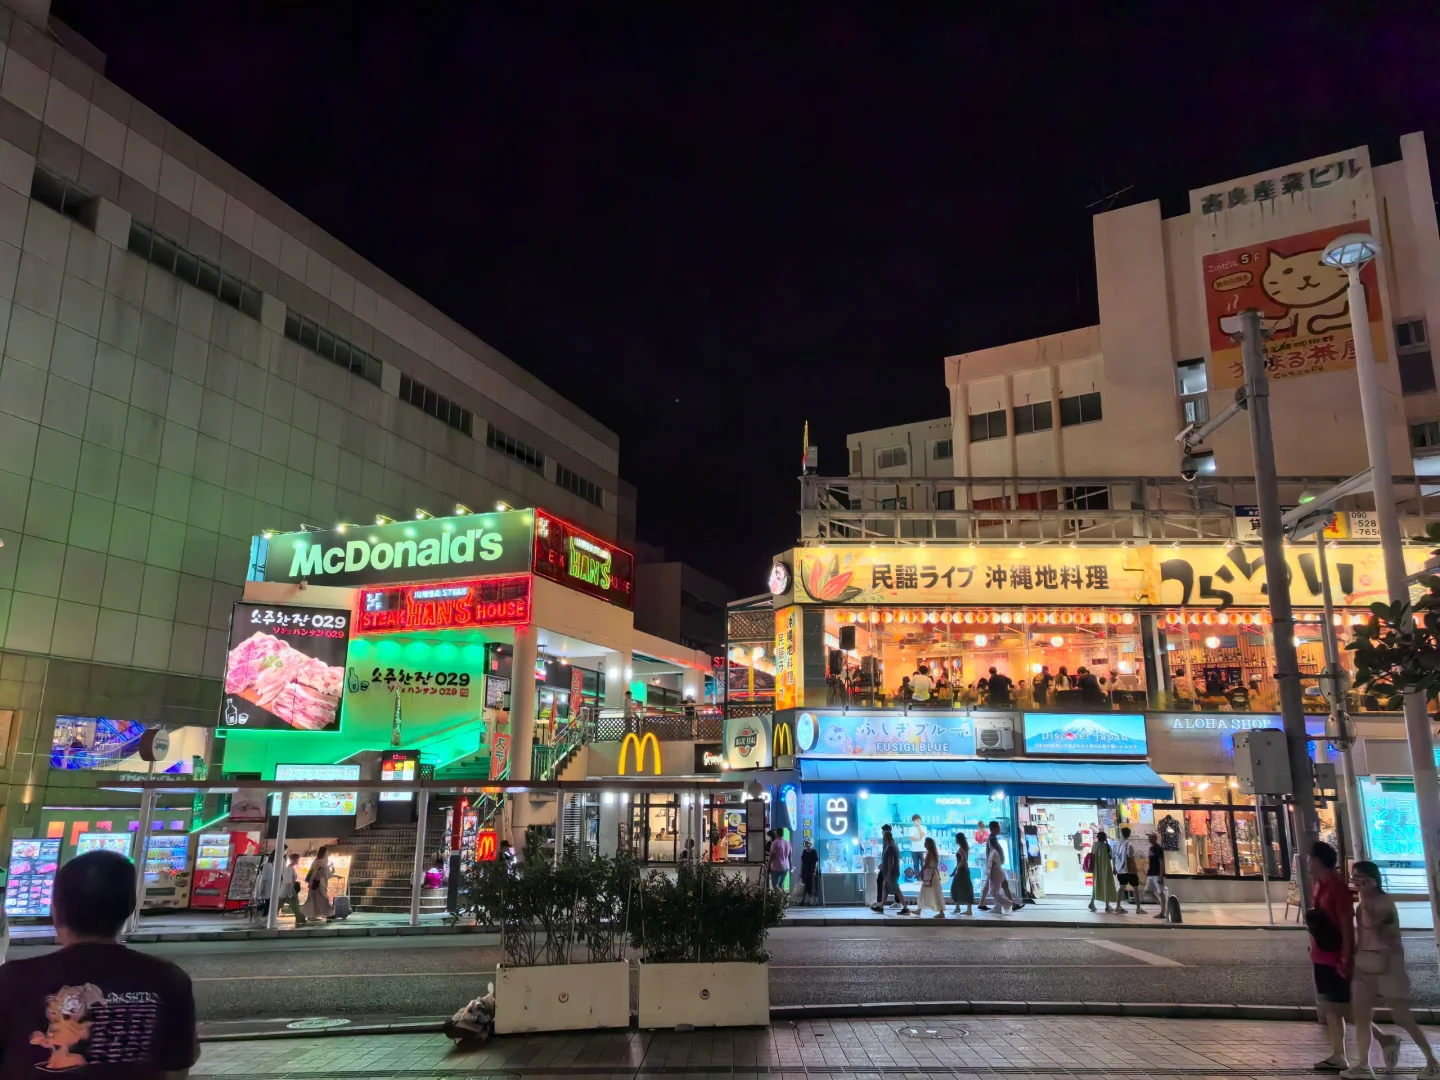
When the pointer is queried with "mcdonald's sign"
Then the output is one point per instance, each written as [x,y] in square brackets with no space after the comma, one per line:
[639,744]
[487,846]
[783,741]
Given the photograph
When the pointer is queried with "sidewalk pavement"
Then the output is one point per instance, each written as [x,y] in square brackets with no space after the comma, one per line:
[1063,912]
[957,1048]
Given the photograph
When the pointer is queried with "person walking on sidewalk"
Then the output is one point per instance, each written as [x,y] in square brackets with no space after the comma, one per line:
[779,859]
[1102,871]
[1380,973]
[962,889]
[318,904]
[1155,873]
[890,872]
[1331,922]
[995,879]
[1127,871]
[931,895]
[917,844]
[809,861]
[289,895]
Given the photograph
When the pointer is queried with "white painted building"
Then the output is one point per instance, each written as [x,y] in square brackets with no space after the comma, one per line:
[921,449]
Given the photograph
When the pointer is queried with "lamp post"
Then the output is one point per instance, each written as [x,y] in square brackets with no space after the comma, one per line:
[1340,731]
[1350,253]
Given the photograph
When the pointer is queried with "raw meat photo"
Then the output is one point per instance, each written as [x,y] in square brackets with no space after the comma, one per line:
[300,690]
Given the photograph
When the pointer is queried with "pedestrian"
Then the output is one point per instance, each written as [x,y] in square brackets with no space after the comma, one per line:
[779,859]
[264,885]
[809,863]
[95,1005]
[687,853]
[962,889]
[1088,686]
[719,846]
[1380,973]
[931,895]
[1101,865]
[889,876]
[999,688]
[435,876]
[318,904]
[917,844]
[1331,922]
[906,691]
[996,881]
[1127,871]
[290,887]
[1155,873]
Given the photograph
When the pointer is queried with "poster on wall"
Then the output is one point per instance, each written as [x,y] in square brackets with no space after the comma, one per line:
[746,741]
[248,804]
[787,627]
[30,888]
[318,803]
[1085,734]
[942,734]
[285,668]
[1302,302]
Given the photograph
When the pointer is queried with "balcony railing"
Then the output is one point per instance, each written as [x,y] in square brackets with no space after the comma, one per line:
[1064,509]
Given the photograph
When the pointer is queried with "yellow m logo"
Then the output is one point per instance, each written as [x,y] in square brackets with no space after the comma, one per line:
[784,743]
[638,744]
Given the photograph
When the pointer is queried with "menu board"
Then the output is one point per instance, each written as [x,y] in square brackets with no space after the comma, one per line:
[318,803]
[103,841]
[285,668]
[31,886]
[398,767]
[242,881]
[167,871]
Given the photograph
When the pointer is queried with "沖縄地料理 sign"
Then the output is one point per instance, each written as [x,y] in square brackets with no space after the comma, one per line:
[434,549]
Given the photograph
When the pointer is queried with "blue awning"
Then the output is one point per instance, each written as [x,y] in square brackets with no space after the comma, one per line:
[1055,779]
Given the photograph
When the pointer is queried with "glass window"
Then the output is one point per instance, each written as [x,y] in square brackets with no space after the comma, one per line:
[1081,409]
[1392,819]
[1417,372]
[1410,334]
[1196,840]
[943,449]
[1033,417]
[1425,435]
[892,457]
[1190,376]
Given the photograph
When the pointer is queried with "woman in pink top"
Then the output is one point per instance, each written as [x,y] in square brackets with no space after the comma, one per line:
[779,858]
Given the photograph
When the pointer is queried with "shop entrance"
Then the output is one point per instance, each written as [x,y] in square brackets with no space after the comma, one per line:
[1066,830]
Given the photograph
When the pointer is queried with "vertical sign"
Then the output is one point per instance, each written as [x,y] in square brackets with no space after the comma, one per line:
[577,690]
[499,755]
[786,626]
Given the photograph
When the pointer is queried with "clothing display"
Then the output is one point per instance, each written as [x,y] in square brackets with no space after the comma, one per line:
[1169,830]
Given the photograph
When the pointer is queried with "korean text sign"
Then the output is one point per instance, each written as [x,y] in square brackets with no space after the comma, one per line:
[285,668]
[1303,303]
[436,681]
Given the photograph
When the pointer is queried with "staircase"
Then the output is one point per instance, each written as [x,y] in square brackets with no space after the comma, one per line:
[383,859]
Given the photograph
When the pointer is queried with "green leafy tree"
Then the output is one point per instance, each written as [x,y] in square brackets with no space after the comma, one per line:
[1398,650]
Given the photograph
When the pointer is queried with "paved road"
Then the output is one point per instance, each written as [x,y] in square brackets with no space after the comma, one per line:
[428,977]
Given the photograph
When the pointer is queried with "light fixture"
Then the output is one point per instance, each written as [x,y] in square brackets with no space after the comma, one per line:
[384,519]
[1057,641]
[973,545]
[1074,544]
[1212,642]
[421,513]
[758,651]
[1229,545]
[1036,668]
[1022,545]
[342,526]
[501,504]
[980,640]
[864,793]
[1351,251]
[1176,545]
[461,510]
[310,528]
[267,533]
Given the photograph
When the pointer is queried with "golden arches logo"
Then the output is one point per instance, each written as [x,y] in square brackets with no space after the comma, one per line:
[784,742]
[638,744]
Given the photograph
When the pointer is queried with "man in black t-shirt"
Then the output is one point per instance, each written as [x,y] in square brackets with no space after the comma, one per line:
[95,1008]
[999,688]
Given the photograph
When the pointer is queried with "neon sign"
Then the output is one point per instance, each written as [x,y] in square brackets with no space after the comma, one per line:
[579,560]
[497,601]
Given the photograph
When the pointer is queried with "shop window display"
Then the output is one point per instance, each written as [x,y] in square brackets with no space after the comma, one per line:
[959,647]
[1393,823]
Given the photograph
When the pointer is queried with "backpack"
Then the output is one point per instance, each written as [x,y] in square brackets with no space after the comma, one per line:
[1089,863]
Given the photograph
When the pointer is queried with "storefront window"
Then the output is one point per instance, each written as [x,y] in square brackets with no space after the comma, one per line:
[1392,821]
[958,647]
[654,827]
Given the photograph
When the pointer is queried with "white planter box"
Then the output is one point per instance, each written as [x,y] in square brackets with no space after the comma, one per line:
[704,995]
[565,997]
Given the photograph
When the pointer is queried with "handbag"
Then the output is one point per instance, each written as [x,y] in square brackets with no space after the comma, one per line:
[927,876]
[1323,930]
[1370,962]
[1089,864]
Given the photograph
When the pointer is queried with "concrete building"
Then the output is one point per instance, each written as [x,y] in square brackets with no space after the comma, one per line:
[675,601]
[188,361]
[1108,400]
[920,449]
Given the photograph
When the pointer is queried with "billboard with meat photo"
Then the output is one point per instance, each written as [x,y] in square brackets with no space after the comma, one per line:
[285,668]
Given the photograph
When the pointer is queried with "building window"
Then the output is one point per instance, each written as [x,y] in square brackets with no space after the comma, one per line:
[989,425]
[58,193]
[335,349]
[1190,377]
[574,482]
[1081,409]
[857,462]
[1417,372]
[901,503]
[892,457]
[514,448]
[943,450]
[1197,410]
[190,268]
[945,500]
[1087,497]
[1204,462]
[437,405]
[1034,417]
[1425,435]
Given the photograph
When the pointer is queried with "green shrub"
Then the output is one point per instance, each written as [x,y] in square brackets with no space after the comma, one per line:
[704,914]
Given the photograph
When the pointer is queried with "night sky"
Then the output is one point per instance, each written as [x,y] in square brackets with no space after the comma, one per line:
[706,224]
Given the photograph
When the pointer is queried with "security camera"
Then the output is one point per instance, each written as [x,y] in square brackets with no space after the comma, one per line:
[1189,467]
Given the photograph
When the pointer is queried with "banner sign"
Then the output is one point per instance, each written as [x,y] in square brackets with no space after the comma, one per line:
[317,803]
[746,741]
[499,755]
[1085,734]
[787,633]
[452,605]
[579,560]
[435,549]
[941,734]
[285,668]
[1197,576]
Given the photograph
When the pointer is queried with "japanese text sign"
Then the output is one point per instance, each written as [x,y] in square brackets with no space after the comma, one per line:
[1303,303]
[787,627]
[941,734]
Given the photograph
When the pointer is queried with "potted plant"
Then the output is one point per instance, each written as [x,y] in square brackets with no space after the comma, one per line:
[701,935]
[561,929]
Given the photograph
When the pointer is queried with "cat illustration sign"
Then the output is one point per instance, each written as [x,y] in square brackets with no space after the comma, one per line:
[1303,304]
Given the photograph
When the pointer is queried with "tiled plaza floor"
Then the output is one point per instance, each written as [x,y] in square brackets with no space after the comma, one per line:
[958,1048]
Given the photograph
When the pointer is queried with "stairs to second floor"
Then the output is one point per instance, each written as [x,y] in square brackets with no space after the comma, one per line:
[382,862]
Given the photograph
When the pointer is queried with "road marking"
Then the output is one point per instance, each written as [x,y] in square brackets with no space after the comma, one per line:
[1151,958]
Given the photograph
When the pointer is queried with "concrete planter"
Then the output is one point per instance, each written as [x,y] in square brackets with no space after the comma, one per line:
[704,995]
[563,997]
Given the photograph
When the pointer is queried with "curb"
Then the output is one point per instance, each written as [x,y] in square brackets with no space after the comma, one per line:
[161,937]
[1056,924]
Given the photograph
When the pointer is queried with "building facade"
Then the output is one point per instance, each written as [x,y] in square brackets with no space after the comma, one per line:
[675,601]
[921,449]
[188,361]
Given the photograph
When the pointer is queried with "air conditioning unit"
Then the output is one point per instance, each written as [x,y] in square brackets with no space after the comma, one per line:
[994,735]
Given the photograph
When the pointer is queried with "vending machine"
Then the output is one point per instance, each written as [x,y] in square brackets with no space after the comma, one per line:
[103,841]
[167,871]
[215,856]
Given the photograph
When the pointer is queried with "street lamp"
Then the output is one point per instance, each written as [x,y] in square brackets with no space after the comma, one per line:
[1351,252]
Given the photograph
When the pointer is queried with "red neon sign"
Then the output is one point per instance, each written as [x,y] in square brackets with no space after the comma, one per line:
[487,845]
[447,605]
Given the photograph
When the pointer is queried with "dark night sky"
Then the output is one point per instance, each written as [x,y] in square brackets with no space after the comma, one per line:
[706,230]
